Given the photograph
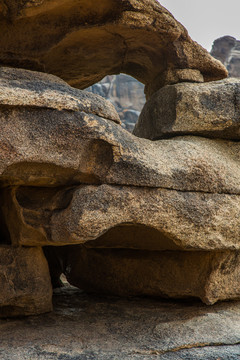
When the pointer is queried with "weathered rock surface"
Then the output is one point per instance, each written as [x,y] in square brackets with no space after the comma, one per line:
[227,50]
[112,328]
[69,174]
[83,42]
[19,87]
[161,219]
[210,110]
[41,152]
[211,276]
[25,282]
[125,93]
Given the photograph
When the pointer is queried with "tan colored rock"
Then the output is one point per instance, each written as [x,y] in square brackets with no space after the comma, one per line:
[69,174]
[36,144]
[25,282]
[31,89]
[210,109]
[171,76]
[211,276]
[84,41]
[122,217]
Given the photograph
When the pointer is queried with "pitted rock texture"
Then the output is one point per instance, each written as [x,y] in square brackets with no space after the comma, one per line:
[84,41]
[41,152]
[25,282]
[211,110]
[30,89]
[161,219]
[227,50]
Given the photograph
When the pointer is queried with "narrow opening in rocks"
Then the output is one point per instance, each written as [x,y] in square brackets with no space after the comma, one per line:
[125,237]
[4,233]
[125,93]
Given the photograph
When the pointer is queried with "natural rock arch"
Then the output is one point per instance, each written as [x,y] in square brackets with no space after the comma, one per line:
[83,41]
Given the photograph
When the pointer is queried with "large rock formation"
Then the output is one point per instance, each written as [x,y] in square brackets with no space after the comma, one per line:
[71,175]
[83,41]
[227,50]
[98,199]
[176,274]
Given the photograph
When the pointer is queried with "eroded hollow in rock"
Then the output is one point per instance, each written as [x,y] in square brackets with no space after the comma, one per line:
[125,236]
[133,236]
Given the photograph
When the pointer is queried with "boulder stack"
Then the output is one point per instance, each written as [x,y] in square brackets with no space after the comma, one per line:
[121,214]
[116,213]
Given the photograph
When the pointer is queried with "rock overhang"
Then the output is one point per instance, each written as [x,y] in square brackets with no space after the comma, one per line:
[82,42]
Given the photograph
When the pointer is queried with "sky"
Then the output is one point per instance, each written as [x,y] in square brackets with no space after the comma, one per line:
[206,20]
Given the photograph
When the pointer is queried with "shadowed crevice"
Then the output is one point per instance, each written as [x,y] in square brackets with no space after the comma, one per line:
[5,237]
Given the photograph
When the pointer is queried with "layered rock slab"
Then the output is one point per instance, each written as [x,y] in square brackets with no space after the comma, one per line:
[210,110]
[31,89]
[41,152]
[211,276]
[161,219]
[84,41]
[25,282]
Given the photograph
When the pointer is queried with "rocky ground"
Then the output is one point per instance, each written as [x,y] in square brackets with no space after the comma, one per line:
[83,327]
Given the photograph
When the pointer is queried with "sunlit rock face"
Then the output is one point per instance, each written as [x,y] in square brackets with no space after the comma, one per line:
[227,50]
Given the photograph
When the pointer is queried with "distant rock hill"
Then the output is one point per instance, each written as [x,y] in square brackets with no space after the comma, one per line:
[126,94]
[227,50]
